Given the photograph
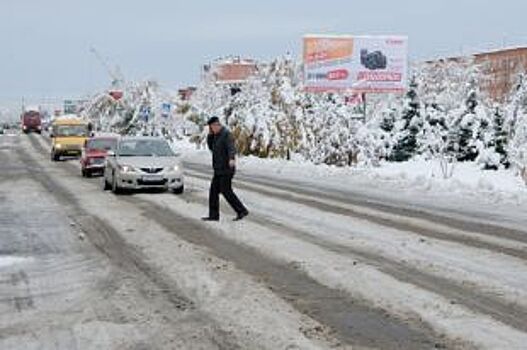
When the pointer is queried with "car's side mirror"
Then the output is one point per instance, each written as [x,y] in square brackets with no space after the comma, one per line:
[111,153]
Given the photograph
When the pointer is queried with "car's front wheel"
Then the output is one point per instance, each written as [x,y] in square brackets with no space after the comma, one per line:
[179,190]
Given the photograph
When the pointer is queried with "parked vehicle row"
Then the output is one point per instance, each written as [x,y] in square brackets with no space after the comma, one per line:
[125,163]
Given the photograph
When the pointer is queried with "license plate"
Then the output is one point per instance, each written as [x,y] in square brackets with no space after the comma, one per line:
[153,178]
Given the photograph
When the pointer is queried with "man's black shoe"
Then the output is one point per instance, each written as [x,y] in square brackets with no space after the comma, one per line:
[208,218]
[241,216]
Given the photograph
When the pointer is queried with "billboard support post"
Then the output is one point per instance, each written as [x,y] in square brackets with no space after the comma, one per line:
[364,105]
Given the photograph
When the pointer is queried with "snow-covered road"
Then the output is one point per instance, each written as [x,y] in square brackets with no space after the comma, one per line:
[314,266]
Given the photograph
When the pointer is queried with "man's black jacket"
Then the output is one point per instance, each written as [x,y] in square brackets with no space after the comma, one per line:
[223,150]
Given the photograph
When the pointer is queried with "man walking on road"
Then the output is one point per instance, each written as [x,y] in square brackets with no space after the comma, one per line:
[221,144]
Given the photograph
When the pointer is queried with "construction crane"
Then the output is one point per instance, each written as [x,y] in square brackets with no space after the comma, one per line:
[115,73]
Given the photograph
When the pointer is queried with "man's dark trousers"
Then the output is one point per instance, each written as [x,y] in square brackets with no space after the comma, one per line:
[223,184]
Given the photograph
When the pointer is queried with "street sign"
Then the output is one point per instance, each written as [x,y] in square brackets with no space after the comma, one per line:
[144,113]
[165,109]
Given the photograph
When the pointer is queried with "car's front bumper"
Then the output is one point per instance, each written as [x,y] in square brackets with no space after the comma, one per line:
[139,181]
[94,168]
[94,164]
[74,150]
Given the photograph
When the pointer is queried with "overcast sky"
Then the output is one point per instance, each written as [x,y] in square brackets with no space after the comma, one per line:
[45,43]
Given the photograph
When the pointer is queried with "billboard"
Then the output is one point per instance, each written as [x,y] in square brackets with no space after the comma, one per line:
[360,64]
[73,106]
[70,107]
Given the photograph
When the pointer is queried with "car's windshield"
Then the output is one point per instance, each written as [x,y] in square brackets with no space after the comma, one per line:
[70,130]
[145,148]
[101,144]
[30,116]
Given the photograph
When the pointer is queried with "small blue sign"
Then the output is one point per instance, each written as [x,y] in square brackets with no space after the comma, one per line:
[144,113]
[165,109]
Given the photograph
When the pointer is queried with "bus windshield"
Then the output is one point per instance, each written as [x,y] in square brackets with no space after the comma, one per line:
[70,131]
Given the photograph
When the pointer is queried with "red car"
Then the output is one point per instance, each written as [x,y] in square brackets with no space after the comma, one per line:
[94,154]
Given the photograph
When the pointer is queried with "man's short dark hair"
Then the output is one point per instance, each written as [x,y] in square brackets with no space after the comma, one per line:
[213,120]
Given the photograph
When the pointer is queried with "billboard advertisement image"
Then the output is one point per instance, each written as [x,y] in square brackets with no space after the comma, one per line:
[366,64]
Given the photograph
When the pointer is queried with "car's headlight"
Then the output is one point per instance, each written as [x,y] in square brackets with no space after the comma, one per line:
[175,168]
[58,145]
[126,168]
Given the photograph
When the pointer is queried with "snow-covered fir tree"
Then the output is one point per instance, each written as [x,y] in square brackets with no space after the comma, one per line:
[409,126]
[501,136]
[516,123]
[471,127]
[433,138]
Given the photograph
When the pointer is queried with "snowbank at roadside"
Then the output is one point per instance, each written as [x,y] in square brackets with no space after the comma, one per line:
[467,178]
[413,179]
[13,260]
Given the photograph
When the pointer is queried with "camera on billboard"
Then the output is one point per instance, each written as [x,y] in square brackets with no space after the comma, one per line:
[373,60]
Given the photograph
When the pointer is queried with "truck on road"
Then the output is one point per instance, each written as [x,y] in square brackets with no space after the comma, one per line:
[31,121]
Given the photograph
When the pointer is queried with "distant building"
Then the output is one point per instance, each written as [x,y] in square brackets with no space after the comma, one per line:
[231,70]
[500,70]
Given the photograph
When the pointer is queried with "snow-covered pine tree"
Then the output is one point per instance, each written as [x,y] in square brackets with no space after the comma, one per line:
[516,123]
[467,149]
[388,122]
[409,126]
[501,136]
[443,82]
[471,126]
[387,130]
[516,104]
[432,140]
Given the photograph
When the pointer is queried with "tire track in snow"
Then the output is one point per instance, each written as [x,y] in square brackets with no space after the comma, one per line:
[503,311]
[102,235]
[512,244]
[130,294]
[353,319]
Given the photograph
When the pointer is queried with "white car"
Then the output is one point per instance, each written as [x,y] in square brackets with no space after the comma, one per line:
[143,163]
